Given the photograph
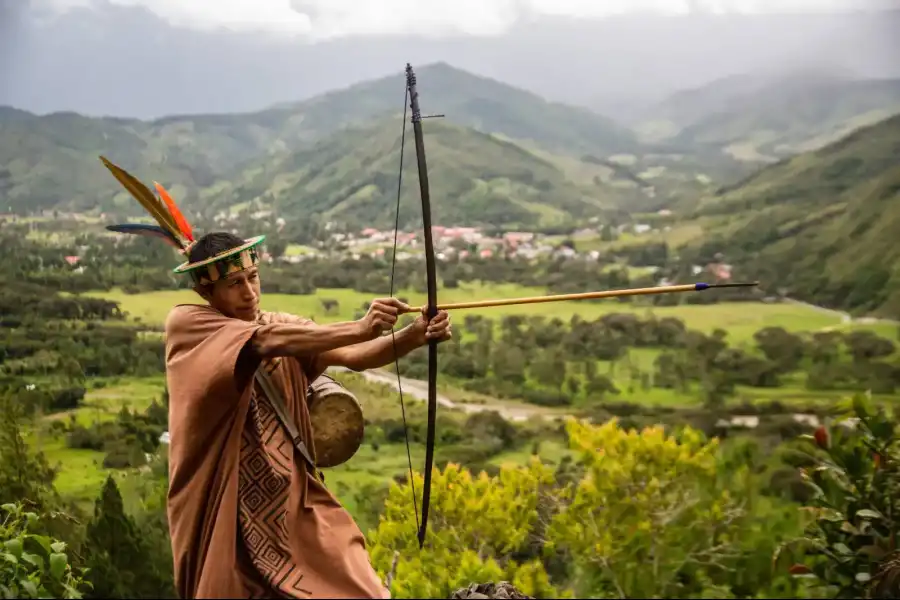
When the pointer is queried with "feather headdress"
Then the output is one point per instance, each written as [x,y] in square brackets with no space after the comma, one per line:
[173,228]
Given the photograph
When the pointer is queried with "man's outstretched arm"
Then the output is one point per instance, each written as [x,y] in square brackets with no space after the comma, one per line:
[380,351]
[311,339]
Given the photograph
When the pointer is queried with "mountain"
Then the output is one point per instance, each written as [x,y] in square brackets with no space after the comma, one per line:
[823,225]
[761,118]
[482,103]
[51,161]
[474,179]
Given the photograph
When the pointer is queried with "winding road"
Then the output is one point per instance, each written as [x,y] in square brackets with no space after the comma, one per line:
[418,389]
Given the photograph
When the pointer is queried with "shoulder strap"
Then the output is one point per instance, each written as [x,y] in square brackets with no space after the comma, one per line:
[274,395]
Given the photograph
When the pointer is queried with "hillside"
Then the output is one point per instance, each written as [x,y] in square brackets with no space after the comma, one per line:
[50,161]
[823,225]
[758,119]
[473,101]
[475,178]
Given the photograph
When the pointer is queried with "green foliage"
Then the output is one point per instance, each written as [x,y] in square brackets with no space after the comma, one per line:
[552,363]
[641,514]
[657,515]
[117,555]
[851,546]
[33,565]
[475,523]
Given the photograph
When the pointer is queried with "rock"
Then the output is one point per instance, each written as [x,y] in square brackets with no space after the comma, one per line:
[484,591]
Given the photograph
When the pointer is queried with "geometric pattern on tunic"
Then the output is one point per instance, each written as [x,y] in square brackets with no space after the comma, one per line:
[264,480]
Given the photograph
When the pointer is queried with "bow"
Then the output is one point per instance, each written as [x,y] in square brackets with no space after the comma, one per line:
[431,308]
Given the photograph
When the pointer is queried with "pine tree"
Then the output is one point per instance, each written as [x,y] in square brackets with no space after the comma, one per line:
[120,564]
[24,475]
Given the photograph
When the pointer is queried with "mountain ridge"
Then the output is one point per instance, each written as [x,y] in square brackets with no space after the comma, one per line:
[760,118]
[50,161]
[353,177]
[822,225]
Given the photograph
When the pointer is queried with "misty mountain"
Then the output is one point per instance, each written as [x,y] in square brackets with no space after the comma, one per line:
[764,117]
[51,161]
[579,161]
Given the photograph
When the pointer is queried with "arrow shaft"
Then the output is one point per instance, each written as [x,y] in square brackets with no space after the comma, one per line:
[667,289]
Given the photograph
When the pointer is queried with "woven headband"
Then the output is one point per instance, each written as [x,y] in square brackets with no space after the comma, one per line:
[222,265]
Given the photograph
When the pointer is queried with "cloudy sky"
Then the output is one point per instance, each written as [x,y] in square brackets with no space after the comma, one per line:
[148,58]
[318,20]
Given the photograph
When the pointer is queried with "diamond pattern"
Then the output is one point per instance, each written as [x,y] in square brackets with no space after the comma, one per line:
[266,465]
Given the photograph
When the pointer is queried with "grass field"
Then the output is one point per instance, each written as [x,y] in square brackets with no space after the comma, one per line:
[674,237]
[740,320]
[81,472]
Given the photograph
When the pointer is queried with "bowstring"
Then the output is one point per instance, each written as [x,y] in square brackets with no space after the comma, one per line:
[412,481]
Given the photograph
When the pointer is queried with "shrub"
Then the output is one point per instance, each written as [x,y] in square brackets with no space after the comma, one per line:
[34,566]
[850,548]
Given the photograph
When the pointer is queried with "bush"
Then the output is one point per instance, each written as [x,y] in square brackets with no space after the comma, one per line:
[83,438]
[66,398]
[850,548]
[34,566]
[124,455]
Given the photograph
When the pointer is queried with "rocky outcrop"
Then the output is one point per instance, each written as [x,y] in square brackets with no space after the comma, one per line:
[482,591]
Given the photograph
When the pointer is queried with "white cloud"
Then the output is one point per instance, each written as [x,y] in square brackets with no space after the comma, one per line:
[324,19]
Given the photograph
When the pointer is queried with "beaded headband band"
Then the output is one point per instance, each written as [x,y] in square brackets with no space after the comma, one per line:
[225,263]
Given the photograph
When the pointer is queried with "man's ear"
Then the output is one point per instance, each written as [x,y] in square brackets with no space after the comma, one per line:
[204,291]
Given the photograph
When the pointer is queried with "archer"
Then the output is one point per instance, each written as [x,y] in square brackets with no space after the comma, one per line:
[249,513]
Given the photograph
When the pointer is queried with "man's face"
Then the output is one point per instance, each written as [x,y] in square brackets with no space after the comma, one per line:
[236,296]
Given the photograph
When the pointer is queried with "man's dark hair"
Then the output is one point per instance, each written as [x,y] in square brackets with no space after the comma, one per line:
[213,243]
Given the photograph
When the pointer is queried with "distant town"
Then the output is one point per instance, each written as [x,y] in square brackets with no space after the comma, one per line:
[450,243]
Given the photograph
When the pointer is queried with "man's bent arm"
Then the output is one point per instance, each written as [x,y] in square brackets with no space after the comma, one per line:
[371,354]
[295,339]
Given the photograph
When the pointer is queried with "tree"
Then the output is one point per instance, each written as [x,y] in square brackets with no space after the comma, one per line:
[866,346]
[641,515]
[781,347]
[650,518]
[120,565]
[509,364]
[330,305]
[549,368]
[475,524]
[24,474]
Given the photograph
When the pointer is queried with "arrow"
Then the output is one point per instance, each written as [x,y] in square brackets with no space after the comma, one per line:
[666,289]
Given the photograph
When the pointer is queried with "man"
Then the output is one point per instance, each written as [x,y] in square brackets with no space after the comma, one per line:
[248,517]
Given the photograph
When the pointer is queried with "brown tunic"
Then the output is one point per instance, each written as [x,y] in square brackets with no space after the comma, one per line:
[246,517]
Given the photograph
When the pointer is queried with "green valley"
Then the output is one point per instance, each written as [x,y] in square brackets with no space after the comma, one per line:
[822,225]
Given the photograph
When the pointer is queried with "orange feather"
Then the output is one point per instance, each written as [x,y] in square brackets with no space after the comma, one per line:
[182,223]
